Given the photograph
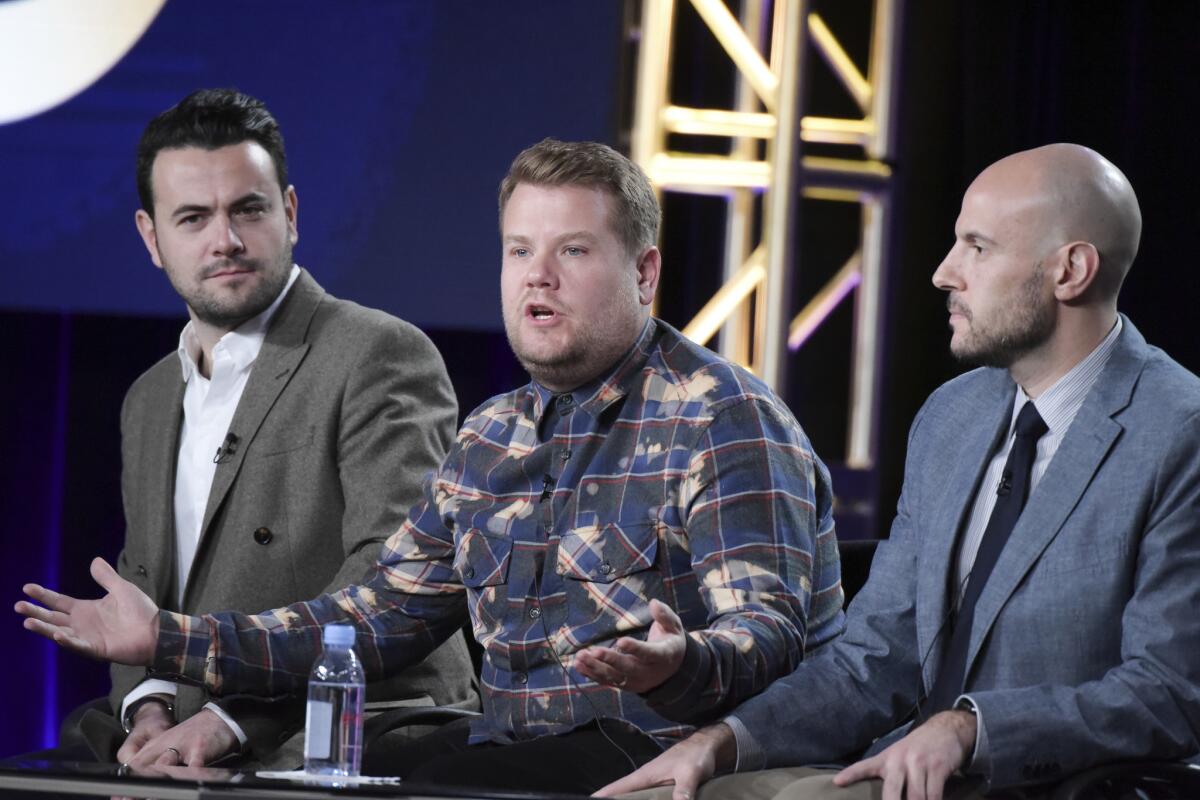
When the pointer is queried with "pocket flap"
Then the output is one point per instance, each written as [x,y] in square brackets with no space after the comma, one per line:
[605,552]
[481,558]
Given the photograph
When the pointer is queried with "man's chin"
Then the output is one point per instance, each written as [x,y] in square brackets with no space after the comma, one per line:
[233,312]
[558,372]
[979,357]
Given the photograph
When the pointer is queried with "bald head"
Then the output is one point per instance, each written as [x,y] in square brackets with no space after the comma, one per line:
[1071,193]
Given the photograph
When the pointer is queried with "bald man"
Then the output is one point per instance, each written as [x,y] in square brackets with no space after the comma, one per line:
[1034,610]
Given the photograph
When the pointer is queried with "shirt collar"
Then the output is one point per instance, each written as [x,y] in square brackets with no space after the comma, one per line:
[241,345]
[1059,404]
[598,394]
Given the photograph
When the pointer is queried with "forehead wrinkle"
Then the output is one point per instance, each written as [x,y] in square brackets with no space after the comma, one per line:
[579,234]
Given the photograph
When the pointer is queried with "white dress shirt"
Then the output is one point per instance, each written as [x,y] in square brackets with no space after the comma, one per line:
[208,408]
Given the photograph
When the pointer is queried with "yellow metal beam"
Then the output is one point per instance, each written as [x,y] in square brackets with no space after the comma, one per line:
[709,320]
[825,301]
[768,169]
[718,122]
[740,49]
[708,174]
[840,62]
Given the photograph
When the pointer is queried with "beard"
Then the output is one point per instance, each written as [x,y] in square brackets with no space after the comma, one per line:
[1013,331]
[592,351]
[226,313]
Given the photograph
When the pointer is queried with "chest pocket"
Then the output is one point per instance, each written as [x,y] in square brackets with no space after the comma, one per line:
[481,559]
[282,442]
[605,553]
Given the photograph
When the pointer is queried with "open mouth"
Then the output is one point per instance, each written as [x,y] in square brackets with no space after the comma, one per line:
[541,313]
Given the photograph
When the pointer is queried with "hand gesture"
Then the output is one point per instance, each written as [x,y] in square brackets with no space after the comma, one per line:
[917,766]
[636,665]
[122,626]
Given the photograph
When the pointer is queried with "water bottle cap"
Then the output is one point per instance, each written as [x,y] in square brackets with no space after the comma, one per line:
[339,635]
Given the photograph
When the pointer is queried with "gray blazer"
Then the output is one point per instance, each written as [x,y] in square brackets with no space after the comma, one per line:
[1086,642]
[346,410]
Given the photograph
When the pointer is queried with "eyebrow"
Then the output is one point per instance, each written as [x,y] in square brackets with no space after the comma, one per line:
[976,236]
[580,236]
[197,208]
[584,235]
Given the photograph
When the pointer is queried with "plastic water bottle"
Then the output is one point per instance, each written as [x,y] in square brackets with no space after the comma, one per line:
[334,721]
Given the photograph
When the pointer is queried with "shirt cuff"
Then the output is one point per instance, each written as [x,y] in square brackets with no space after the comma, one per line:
[678,697]
[182,651]
[146,687]
[228,720]
[981,762]
[750,756]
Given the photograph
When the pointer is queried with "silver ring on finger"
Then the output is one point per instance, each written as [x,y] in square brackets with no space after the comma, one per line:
[178,754]
[620,682]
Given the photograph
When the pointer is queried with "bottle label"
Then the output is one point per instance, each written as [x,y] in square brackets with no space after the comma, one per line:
[318,725]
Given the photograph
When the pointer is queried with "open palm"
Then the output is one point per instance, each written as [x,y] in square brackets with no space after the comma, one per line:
[122,626]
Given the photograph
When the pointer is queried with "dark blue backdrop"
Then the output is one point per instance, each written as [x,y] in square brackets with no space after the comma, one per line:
[400,118]
[382,105]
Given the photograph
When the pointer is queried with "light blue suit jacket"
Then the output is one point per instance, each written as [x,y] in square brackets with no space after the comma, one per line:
[1086,641]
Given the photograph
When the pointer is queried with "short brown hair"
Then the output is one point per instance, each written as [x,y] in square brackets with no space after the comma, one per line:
[550,162]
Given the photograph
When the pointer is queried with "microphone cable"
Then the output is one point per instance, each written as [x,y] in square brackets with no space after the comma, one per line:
[537,586]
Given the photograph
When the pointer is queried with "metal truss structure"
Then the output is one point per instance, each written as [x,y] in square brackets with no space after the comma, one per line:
[773,162]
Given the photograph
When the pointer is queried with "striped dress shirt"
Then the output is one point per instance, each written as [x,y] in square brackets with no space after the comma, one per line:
[1057,407]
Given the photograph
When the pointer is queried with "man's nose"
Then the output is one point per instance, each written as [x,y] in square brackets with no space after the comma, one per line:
[946,277]
[542,271]
[227,241]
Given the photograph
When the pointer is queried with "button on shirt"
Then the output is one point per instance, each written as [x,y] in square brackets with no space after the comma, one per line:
[677,476]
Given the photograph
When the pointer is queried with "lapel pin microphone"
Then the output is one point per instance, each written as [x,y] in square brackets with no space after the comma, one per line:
[226,448]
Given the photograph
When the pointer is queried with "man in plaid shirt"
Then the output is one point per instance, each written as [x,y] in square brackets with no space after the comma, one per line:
[641,537]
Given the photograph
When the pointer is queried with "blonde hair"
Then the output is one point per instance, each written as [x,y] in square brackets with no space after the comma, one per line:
[550,162]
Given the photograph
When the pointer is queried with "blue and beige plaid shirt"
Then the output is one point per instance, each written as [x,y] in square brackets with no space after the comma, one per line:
[677,476]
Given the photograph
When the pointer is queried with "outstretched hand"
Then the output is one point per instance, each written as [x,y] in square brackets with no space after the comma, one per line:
[636,665]
[122,626]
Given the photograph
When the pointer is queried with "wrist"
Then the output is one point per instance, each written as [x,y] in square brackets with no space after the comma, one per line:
[234,737]
[722,744]
[965,728]
[150,704]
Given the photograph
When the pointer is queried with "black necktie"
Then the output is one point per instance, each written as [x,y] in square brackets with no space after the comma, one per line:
[1012,493]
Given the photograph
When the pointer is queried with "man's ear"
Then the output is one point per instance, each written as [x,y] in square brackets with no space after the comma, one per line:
[1077,271]
[648,266]
[145,226]
[291,207]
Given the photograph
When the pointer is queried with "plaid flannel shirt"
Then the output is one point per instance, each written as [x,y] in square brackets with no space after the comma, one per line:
[677,476]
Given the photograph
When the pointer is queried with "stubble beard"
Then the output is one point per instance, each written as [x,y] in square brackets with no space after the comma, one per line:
[583,358]
[1024,327]
[227,314]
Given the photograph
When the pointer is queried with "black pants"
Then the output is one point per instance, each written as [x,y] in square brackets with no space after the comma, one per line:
[579,762]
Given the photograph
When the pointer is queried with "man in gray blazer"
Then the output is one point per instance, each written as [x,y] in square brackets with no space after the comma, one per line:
[1001,642]
[268,459]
